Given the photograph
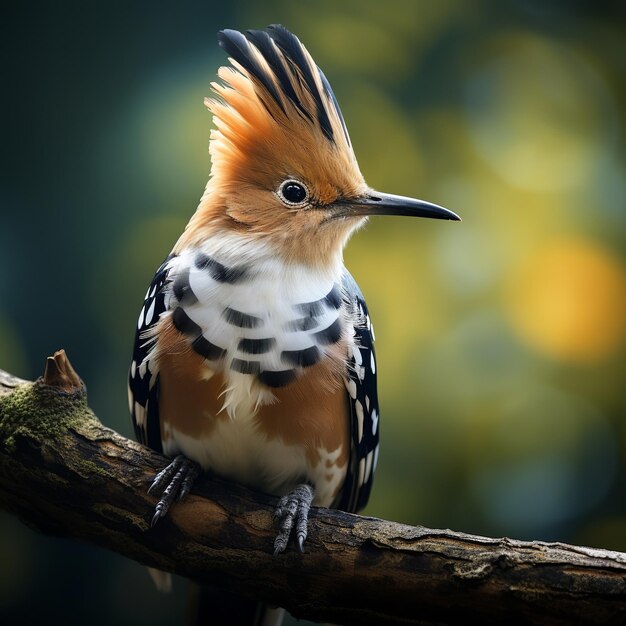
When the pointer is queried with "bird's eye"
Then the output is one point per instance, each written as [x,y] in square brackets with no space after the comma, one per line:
[293,193]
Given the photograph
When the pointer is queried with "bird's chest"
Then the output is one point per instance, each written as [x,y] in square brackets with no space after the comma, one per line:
[261,325]
[258,396]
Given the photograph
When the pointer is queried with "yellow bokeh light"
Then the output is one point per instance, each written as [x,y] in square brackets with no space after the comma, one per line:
[568,301]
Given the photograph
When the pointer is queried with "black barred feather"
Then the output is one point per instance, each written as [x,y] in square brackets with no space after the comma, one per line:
[143,383]
[363,402]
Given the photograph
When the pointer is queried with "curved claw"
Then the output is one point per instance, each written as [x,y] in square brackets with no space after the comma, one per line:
[300,542]
[158,514]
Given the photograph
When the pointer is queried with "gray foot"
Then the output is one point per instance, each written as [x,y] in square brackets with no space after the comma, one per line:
[174,482]
[292,513]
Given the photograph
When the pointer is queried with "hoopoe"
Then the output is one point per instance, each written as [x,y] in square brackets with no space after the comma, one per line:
[253,355]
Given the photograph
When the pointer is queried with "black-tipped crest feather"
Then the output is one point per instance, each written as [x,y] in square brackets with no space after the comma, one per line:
[291,47]
[331,95]
[238,47]
[287,60]
[264,45]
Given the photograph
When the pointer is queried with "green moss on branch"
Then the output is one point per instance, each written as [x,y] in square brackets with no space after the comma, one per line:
[40,413]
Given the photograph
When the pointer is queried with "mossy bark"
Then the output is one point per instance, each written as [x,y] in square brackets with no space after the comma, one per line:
[65,473]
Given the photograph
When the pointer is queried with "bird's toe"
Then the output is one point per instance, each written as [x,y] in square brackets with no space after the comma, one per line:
[174,482]
[292,513]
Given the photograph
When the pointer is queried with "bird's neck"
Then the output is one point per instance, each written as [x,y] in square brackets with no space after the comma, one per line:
[234,249]
[321,250]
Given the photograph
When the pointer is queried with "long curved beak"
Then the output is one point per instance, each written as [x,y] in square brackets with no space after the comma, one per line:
[375,203]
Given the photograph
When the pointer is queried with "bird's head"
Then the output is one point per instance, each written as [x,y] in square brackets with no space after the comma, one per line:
[283,167]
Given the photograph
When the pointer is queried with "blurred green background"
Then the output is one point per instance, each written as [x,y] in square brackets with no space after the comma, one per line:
[501,340]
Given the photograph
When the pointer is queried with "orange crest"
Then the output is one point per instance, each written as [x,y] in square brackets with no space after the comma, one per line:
[276,117]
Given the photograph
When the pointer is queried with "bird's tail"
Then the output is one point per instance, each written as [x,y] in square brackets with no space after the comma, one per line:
[162,580]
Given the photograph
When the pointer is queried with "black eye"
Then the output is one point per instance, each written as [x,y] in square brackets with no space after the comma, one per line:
[293,193]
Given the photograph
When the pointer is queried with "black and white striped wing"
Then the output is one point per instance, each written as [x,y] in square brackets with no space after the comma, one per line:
[143,380]
[363,401]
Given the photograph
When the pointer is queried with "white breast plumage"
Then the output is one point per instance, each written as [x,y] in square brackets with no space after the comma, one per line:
[252,317]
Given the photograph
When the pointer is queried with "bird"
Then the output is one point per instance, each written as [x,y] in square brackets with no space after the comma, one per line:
[253,356]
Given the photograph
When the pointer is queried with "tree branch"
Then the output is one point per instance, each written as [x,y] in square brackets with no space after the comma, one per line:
[64,473]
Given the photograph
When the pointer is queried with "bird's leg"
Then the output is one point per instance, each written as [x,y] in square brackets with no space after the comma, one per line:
[292,513]
[174,481]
